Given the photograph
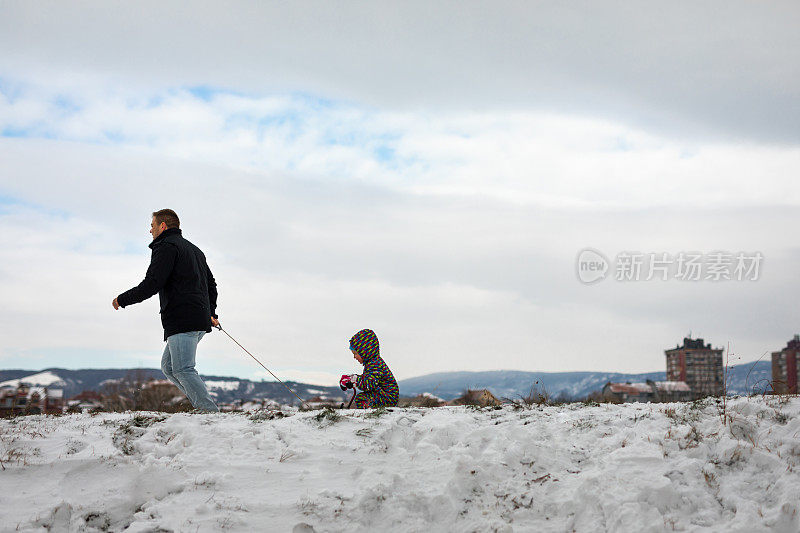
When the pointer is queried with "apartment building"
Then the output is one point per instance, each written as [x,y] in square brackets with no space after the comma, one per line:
[785,371]
[698,365]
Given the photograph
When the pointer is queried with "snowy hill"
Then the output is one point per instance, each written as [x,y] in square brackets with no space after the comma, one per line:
[75,381]
[41,379]
[622,468]
[576,385]
[223,388]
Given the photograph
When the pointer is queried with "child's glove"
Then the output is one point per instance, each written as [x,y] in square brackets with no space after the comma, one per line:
[347,381]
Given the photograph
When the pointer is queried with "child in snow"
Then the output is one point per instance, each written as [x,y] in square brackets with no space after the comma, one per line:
[377,385]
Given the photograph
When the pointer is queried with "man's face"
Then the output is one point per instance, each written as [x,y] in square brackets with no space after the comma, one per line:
[156,228]
[357,356]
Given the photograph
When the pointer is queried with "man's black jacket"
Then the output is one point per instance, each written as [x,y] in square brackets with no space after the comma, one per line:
[186,289]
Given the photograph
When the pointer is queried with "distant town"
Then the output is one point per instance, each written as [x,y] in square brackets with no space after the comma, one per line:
[694,370]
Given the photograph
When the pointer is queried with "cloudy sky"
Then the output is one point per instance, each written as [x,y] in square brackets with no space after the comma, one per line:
[427,170]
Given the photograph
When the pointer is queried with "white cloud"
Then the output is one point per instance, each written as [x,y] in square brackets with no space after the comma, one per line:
[532,158]
[431,181]
[448,281]
[685,68]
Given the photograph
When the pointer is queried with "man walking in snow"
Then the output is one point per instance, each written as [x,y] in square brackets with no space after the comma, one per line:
[188,294]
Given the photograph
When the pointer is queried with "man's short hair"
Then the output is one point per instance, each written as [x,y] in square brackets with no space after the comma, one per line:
[168,216]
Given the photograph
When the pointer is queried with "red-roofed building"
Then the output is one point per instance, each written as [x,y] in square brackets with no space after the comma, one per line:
[672,391]
[650,391]
[25,399]
[628,392]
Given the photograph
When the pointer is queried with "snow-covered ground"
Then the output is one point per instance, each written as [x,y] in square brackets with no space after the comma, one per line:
[634,467]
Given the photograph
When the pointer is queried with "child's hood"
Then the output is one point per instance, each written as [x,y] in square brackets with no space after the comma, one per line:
[365,342]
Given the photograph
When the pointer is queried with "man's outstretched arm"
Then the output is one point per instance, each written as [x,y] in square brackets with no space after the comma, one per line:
[212,296]
[212,292]
[161,264]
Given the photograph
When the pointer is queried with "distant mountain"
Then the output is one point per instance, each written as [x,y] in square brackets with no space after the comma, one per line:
[570,385]
[447,385]
[42,379]
[224,389]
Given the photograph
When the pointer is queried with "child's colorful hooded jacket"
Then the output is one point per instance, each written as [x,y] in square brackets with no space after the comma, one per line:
[378,386]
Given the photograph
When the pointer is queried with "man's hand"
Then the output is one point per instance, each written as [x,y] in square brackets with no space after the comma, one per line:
[214,322]
[115,303]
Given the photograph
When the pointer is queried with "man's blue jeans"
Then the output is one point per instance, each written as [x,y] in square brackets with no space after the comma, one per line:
[178,365]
